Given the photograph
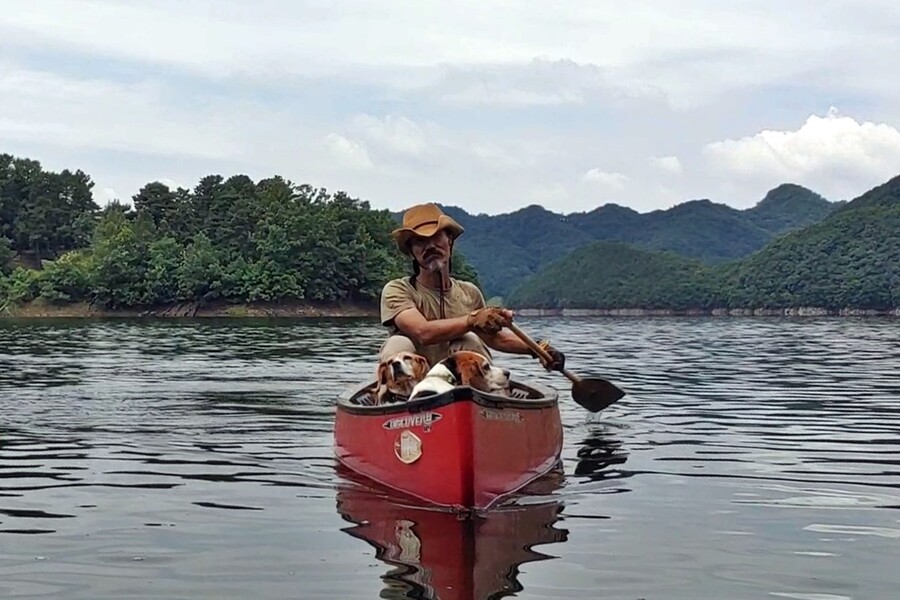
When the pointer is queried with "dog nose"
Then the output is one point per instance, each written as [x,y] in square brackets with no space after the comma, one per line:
[506,373]
[396,369]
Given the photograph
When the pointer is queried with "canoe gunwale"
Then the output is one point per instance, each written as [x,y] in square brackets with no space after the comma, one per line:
[547,397]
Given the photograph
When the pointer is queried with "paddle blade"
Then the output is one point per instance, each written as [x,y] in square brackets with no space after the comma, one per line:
[595,394]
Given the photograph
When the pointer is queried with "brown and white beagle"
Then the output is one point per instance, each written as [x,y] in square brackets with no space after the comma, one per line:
[463,368]
[397,375]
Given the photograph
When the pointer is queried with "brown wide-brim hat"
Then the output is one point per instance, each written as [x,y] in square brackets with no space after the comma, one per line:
[424,220]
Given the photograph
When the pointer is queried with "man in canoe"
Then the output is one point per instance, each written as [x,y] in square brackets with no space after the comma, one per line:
[434,314]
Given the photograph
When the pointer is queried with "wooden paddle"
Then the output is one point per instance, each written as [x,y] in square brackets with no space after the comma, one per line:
[592,393]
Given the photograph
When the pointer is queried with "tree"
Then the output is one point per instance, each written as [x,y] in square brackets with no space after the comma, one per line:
[6,255]
[158,202]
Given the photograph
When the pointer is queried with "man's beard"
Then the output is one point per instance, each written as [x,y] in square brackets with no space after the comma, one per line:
[435,264]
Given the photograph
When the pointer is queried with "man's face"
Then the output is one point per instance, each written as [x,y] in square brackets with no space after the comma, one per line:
[431,253]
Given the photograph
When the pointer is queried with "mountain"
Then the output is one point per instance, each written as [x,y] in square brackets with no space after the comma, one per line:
[506,249]
[789,207]
[851,258]
[619,275]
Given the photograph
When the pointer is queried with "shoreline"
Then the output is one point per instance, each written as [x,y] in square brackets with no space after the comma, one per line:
[41,309]
[800,311]
[296,309]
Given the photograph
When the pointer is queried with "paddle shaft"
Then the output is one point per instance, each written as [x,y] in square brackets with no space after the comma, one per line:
[543,354]
[592,393]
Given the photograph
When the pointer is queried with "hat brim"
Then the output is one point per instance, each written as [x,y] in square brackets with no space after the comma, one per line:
[426,230]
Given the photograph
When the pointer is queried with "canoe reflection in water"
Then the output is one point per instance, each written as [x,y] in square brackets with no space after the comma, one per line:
[441,555]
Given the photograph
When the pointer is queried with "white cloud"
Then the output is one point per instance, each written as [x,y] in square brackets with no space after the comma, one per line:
[611,181]
[481,103]
[534,83]
[831,154]
[392,134]
[669,164]
[94,113]
[349,153]
[719,49]
[399,146]
[496,158]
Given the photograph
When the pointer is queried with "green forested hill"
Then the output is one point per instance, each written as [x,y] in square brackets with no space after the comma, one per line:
[506,249]
[510,248]
[789,207]
[619,275]
[849,259]
[229,239]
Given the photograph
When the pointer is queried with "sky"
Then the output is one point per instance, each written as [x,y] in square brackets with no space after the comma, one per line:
[486,105]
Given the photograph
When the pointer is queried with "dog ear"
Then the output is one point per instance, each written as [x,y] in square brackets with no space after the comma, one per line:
[452,366]
[382,374]
[422,366]
[470,370]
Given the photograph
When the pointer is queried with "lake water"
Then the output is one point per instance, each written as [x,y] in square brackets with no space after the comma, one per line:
[752,458]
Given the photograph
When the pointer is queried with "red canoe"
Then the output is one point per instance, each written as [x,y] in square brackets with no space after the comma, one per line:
[463,449]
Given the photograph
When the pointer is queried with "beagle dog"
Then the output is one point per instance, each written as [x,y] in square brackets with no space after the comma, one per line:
[463,368]
[397,375]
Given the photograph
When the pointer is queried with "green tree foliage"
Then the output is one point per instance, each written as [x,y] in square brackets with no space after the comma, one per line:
[67,278]
[789,207]
[200,272]
[120,262]
[6,255]
[22,285]
[851,259]
[612,275]
[161,285]
[42,213]
[229,239]
[158,203]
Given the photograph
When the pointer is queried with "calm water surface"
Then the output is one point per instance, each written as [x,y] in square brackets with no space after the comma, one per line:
[752,458]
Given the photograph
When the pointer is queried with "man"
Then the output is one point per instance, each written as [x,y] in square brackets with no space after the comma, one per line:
[434,314]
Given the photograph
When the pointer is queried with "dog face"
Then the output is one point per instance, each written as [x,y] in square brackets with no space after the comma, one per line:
[399,374]
[474,370]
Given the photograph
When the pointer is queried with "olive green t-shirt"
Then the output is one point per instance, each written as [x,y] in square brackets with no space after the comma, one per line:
[399,294]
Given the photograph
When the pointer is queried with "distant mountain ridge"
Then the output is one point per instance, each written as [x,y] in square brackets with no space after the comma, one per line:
[506,249]
[848,260]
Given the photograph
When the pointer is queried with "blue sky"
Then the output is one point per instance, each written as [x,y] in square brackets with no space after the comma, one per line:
[490,106]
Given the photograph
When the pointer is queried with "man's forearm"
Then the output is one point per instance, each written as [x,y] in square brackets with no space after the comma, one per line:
[440,330]
[506,341]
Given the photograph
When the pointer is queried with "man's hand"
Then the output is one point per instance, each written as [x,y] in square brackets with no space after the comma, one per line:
[489,320]
[559,359]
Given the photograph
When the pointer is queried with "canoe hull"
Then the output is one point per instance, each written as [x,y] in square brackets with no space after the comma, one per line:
[463,449]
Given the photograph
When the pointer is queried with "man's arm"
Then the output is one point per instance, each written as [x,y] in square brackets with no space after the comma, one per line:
[411,323]
[506,341]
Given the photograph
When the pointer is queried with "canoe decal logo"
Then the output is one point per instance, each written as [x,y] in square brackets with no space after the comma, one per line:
[424,420]
[408,447]
[510,416]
